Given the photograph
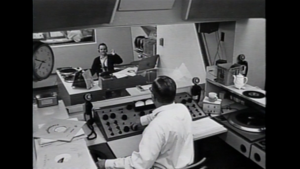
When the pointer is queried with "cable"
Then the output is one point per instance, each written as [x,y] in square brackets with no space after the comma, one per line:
[209,58]
[218,38]
[222,49]
[90,123]
[217,51]
[91,127]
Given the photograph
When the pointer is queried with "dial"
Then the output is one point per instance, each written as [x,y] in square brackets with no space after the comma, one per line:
[42,61]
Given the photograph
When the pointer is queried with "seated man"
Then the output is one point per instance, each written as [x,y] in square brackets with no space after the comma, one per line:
[105,62]
[167,141]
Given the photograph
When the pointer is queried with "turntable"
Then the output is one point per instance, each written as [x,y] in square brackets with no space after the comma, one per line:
[246,128]
[248,121]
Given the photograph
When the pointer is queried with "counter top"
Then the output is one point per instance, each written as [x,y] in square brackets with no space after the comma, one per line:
[42,116]
[121,147]
[211,75]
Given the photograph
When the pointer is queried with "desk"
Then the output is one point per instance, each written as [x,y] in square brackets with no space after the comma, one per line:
[41,116]
[73,98]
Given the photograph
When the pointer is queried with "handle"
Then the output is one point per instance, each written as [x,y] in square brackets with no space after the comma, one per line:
[245,80]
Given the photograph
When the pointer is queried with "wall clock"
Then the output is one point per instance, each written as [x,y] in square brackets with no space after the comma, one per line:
[42,61]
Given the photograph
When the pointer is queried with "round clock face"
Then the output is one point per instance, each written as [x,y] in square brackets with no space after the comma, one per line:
[43,61]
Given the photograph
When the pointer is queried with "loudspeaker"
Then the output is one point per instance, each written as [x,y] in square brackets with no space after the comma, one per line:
[209,27]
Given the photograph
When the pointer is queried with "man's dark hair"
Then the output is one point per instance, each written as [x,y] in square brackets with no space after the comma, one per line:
[164,89]
[102,44]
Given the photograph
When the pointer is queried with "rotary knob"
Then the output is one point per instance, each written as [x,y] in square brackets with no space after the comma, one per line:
[112,115]
[105,117]
[126,129]
[124,117]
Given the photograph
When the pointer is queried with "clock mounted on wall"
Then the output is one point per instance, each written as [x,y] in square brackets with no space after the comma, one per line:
[42,61]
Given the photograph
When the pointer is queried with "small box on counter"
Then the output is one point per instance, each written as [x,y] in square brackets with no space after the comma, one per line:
[226,71]
[46,99]
[210,107]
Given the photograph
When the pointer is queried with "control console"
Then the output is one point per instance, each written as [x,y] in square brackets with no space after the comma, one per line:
[115,121]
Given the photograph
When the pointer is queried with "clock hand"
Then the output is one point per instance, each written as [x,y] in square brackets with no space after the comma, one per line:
[40,60]
[40,64]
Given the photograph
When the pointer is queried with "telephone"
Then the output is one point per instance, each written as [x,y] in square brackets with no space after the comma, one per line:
[89,115]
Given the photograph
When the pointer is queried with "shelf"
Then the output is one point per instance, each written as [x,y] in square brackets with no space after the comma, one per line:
[210,78]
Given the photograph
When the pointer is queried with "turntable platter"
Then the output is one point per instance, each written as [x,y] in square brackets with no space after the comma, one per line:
[254,94]
[248,121]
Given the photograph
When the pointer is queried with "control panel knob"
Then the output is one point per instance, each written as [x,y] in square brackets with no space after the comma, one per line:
[107,123]
[116,122]
[189,100]
[105,117]
[126,129]
[183,101]
[112,115]
[134,127]
[124,117]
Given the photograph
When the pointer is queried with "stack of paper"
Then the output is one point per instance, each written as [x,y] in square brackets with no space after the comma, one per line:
[206,127]
[130,71]
[49,133]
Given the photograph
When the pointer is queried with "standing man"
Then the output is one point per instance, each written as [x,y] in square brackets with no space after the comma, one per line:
[105,62]
[167,141]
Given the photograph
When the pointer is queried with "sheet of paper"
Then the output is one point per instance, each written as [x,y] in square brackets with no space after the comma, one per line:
[130,71]
[71,155]
[206,126]
[59,129]
[80,134]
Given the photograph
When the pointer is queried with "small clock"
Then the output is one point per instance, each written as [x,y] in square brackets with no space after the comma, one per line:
[42,61]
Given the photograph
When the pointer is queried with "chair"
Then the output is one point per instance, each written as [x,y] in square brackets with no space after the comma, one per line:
[197,164]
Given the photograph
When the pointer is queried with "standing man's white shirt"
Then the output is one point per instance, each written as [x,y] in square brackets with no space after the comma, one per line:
[167,142]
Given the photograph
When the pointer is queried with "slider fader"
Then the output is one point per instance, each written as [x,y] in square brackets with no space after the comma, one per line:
[114,121]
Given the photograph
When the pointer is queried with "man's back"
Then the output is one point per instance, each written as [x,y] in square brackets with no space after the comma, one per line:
[171,131]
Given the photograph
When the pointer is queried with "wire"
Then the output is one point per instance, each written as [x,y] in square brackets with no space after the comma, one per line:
[209,58]
[222,49]
[217,51]
[218,38]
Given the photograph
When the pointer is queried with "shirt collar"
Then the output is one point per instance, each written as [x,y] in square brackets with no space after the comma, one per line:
[162,108]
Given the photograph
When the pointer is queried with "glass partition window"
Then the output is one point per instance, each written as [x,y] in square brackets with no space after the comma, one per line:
[70,37]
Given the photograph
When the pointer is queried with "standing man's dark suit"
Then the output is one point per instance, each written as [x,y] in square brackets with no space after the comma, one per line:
[111,60]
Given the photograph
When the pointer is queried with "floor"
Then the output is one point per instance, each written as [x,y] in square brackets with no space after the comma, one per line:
[219,155]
